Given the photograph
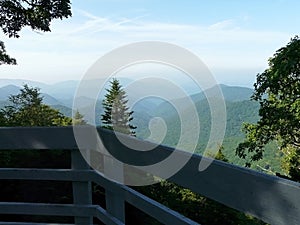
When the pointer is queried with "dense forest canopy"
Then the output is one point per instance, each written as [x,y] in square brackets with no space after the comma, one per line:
[277,90]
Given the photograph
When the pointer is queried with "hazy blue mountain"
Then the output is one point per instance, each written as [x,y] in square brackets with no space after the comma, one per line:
[64,91]
[3,103]
[61,90]
[238,112]
[234,93]
[8,90]
[63,109]
[49,100]
[230,93]
[21,82]
[238,106]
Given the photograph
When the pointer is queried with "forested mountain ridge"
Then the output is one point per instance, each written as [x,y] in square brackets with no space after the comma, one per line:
[239,109]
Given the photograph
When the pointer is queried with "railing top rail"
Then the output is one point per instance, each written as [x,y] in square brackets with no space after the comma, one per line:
[37,138]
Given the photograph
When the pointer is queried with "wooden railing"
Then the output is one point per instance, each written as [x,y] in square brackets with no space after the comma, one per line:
[272,199]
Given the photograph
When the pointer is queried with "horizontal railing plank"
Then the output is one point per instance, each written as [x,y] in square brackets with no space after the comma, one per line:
[46,209]
[18,208]
[37,138]
[44,174]
[24,223]
[149,206]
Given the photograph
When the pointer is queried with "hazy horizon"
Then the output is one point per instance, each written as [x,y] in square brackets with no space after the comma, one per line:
[234,39]
[21,82]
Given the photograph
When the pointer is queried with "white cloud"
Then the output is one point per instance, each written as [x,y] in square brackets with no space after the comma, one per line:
[74,44]
[222,25]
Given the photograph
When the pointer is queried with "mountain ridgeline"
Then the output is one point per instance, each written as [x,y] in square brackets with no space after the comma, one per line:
[239,109]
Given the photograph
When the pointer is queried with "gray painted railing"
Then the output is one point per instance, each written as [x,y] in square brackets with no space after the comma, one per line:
[272,199]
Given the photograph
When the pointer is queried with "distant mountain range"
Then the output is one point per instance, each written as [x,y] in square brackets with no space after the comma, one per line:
[238,106]
[65,90]
[60,96]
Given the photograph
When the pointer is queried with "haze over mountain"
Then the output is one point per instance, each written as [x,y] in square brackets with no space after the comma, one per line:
[61,95]
[239,109]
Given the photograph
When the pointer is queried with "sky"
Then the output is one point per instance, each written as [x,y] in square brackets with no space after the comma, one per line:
[234,38]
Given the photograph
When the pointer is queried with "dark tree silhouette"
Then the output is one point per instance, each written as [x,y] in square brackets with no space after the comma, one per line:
[116,114]
[36,14]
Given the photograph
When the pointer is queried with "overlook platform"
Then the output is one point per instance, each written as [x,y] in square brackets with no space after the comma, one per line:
[271,199]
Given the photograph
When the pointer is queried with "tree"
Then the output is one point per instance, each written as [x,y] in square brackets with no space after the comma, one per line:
[277,90]
[219,155]
[27,109]
[116,114]
[37,14]
[2,119]
[78,119]
[4,57]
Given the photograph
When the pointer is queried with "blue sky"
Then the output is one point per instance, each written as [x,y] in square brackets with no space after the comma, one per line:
[234,38]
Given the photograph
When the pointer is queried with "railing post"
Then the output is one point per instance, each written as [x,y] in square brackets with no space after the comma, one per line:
[82,191]
[115,203]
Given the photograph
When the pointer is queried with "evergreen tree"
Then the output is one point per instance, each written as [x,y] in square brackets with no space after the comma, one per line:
[116,114]
[78,119]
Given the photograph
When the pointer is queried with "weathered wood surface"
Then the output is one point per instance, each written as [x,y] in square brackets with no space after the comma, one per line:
[272,199]
[58,210]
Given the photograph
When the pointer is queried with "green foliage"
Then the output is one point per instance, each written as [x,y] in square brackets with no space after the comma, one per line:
[4,57]
[2,119]
[116,114]
[16,14]
[291,162]
[78,119]
[195,206]
[277,90]
[27,109]
[219,155]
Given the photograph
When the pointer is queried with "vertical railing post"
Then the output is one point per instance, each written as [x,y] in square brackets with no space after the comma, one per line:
[115,203]
[82,191]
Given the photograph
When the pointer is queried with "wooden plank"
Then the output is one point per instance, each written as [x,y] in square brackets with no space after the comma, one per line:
[106,218]
[115,204]
[57,210]
[28,223]
[272,199]
[19,208]
[37,138]
[156,210]
[142,202]
[44,174]
[82,190]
